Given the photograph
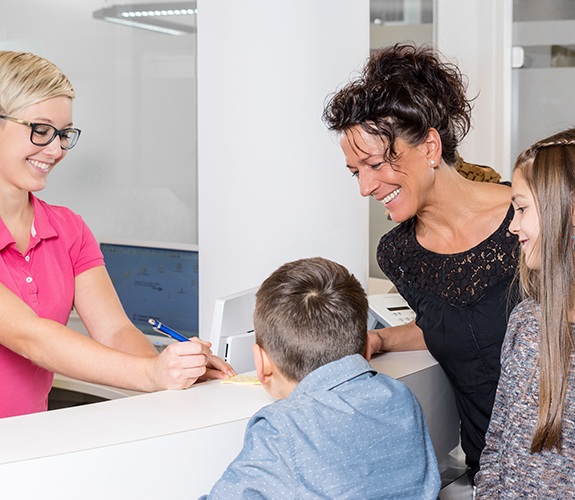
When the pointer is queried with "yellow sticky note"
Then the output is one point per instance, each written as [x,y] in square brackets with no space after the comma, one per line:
[241,379]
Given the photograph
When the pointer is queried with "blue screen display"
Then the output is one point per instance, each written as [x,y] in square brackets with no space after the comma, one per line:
[160,283]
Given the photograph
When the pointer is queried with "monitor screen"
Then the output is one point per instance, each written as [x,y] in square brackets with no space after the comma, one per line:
[155,280]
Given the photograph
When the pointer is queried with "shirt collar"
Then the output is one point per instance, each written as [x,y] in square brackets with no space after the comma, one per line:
[42,229]
[5,236]
[42,226]
[328,376]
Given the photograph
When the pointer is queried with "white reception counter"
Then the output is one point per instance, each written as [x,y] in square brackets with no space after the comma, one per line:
[168,445]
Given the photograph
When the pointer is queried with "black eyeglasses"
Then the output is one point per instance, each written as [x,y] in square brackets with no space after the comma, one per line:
[43,134]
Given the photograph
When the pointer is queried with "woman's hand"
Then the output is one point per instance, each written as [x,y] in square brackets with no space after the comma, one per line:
[182,363]
[374,343]
[217,368]
[408,337]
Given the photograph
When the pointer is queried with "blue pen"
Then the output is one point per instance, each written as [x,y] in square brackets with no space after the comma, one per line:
[166,330]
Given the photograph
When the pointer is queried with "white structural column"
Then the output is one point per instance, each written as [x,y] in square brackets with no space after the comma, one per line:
[477,35]
[273,186]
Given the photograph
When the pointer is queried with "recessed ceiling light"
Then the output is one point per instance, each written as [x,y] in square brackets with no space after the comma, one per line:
[149,16]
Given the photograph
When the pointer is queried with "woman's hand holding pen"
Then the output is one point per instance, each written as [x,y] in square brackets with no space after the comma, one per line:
[182,363]
[217,368]
[214,367]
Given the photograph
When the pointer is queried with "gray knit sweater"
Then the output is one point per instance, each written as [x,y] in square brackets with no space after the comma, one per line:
[508,469]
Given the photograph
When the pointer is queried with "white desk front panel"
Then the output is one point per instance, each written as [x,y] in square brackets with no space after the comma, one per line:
[170,444]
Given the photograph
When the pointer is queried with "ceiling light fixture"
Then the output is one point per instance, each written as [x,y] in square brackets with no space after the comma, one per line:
[150,16]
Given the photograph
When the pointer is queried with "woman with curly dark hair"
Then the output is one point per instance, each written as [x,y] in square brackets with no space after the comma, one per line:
[452,256]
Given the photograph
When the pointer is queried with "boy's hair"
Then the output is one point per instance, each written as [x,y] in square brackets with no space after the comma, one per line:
[308,313]
[27,79]
[548,168]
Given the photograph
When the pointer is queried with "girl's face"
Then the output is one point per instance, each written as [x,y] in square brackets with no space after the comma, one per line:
[402,187]
[526,221]
[23,164]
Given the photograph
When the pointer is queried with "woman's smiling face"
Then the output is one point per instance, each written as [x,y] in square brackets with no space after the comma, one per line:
[403,186]
[23,164]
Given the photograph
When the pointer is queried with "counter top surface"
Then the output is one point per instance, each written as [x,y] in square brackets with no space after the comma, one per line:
[146,416]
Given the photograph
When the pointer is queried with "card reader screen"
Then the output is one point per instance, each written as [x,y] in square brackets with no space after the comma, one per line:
[398,308]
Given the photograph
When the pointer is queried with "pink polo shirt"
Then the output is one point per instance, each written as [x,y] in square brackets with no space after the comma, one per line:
[62,247]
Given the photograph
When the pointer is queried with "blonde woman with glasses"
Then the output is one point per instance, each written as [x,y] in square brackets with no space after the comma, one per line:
[50,261]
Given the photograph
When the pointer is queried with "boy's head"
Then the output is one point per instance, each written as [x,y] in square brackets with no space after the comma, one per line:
[308,313]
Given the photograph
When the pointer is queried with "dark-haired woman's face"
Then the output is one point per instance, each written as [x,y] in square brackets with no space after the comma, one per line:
[402,187]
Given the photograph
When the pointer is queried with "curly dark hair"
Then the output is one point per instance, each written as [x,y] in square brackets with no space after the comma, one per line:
[403,91]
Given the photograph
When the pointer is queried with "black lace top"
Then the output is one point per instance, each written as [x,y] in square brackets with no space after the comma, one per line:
[462,302]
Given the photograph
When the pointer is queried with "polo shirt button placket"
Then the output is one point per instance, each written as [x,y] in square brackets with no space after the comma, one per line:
[28,278]
[32,289]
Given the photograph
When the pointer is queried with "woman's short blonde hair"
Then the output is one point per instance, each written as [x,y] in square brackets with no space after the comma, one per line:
[26,79]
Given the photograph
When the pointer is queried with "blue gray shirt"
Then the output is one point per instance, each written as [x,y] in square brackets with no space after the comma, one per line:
[345,432]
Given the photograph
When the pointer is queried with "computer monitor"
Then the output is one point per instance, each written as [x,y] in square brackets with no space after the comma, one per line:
[155,280]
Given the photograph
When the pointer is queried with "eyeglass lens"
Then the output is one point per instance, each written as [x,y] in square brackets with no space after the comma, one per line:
[43,134]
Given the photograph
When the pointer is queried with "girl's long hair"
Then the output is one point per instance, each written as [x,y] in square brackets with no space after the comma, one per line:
[548,168]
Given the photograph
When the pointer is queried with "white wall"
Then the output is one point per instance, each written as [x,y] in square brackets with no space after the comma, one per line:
[273,182]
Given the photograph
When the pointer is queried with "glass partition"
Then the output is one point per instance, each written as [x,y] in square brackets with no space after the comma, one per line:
[544,70]
[135,163]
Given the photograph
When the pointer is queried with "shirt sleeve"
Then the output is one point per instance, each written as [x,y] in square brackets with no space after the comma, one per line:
[261,469]
[87,250]
[487,479]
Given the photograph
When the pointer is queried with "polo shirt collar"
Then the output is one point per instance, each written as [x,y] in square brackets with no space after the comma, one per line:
[41,226]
